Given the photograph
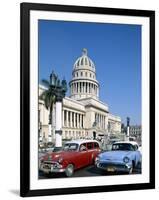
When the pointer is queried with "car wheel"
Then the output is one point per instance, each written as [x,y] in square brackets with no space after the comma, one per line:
[69,170]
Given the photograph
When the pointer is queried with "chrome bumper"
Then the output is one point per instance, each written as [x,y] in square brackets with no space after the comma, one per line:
[51,168]
[113,167]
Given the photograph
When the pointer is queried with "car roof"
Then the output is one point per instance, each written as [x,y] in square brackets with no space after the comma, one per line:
[127,142]
[81,141]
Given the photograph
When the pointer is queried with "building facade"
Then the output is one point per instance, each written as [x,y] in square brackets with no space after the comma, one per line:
[136,133]
[83,114]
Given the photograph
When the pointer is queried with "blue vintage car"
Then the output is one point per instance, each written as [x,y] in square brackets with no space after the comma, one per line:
[123,157]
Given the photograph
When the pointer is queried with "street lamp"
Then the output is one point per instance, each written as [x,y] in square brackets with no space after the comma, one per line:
[59,89]
[128,127]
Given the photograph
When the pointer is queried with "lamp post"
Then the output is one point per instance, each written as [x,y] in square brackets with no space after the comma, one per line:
[128,127]
[59,89]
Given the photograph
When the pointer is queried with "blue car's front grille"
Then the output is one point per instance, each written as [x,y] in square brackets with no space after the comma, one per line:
[118,165]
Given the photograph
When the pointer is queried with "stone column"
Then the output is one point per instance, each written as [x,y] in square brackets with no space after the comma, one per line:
[58,127]
[74,118]
[70,119]
[80,120]
[63,116]
[66,118]
[77,120]
[101,122]
[73,87]
[91,88]
[87,87]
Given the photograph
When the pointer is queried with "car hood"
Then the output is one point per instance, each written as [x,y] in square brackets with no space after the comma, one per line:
[114,155]
[54,156]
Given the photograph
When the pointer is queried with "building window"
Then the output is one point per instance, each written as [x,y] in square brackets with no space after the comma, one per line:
[81,73]
[90,75]
[77,74]
[86,74]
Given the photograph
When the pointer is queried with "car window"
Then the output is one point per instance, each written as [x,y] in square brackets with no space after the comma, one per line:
[96,145]
[83,147]
[70,147]
[135,147]
[122,147]
[90,145]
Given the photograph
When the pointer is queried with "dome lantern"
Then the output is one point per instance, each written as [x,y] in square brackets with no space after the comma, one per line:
[84,51]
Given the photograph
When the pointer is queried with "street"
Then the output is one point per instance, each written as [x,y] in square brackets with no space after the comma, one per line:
[84,172]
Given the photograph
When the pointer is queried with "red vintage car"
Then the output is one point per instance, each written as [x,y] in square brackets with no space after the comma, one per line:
[75,154]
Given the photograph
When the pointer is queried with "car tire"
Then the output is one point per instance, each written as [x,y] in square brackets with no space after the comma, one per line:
[69,170]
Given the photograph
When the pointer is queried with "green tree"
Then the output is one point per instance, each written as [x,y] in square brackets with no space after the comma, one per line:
[48,97]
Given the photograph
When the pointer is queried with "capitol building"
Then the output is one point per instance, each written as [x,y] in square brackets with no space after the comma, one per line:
[83,114]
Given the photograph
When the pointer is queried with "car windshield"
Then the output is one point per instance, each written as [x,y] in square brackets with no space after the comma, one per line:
[70,147]
[122,147]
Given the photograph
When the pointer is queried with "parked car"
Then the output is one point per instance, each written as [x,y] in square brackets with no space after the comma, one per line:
[74,155]
[123,157]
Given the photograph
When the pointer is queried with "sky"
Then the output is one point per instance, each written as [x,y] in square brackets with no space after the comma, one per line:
[115,50]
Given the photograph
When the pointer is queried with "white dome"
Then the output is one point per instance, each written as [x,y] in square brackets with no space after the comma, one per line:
[84,61]
[84,83]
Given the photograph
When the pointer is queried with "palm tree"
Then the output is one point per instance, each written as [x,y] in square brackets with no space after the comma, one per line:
[48,97]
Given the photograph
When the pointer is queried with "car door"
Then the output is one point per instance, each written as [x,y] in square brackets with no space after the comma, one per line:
[91,152]
[82,156]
